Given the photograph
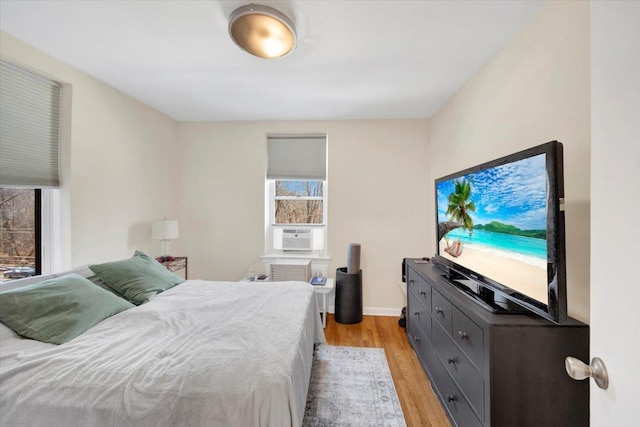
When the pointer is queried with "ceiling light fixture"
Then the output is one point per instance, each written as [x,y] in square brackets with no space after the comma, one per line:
[262,31]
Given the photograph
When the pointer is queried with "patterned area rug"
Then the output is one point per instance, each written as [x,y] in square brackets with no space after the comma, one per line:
[351,386]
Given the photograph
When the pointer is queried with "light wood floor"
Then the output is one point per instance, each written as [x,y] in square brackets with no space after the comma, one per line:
[420,405]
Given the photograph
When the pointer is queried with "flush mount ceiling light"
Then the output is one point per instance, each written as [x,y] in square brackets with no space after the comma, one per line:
[262,31]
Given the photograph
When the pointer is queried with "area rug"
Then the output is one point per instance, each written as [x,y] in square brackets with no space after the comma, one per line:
[351,386]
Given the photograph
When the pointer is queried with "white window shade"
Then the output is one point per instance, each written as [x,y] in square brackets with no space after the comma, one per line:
[297,157]
[29,129]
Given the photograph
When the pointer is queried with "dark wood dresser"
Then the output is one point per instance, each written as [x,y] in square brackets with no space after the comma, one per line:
[494,370]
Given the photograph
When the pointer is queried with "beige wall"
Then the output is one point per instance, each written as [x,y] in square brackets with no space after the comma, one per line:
[123,166]
[536,89]
[117,163]
[378,173]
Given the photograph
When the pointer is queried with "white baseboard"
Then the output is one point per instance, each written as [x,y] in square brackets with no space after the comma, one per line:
[376,311]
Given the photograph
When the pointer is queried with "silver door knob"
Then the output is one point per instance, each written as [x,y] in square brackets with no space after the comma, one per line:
[578,370]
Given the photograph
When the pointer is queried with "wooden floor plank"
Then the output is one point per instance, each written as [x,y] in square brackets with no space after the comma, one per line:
[420,405]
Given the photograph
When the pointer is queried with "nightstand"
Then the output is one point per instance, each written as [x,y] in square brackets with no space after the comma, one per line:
[178,263]
[324,290]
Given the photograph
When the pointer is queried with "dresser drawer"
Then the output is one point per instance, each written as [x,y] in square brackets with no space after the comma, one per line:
[421,289]
[470,381]
[419,315]
[470,338]
[422,347]
[441,309]
[417,322]
[458,408]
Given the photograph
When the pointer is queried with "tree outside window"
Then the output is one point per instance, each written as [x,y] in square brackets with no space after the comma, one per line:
[19,233]
[298,202]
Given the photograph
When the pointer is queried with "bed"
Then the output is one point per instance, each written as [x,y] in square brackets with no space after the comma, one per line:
[201,353]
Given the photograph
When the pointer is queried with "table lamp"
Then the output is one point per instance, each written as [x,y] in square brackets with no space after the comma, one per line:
[165,230]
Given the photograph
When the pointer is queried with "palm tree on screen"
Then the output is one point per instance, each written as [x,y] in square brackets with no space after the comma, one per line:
[460,204]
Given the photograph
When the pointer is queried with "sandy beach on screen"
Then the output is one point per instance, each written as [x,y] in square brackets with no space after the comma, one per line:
[519,275]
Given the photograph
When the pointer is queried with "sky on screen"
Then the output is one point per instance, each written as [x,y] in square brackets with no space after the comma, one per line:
[515,194]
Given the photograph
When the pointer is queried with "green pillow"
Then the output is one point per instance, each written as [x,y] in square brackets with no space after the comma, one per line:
[59,309]
[138,279]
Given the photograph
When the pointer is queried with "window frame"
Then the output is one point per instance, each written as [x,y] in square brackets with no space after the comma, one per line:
[37,209]
[296,157]
[50,234]
[271,210]
[47,240]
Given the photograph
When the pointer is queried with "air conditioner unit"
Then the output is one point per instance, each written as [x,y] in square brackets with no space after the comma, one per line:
[296,239]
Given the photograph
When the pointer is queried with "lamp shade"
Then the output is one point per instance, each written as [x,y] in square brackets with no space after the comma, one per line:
[165,229]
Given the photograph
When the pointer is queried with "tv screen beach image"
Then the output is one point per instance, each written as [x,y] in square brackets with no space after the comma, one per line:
[494,222]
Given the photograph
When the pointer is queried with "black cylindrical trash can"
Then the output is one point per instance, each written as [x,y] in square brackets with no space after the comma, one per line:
[348,296]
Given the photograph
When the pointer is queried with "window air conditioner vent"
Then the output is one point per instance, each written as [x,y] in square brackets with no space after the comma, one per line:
[296,240]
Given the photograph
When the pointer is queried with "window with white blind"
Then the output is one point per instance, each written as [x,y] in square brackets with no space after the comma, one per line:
[30,121]
[297,189]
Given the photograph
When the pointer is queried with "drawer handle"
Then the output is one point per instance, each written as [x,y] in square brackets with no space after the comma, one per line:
[451,360]
[417,340]
[439,310]
[416,313]
[451,398]
[423,293]
[411,281]
[463,335]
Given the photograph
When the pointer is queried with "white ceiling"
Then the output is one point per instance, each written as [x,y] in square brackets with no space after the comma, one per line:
[354,59]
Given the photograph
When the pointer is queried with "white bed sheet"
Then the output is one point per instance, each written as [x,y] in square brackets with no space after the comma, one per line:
[199,354]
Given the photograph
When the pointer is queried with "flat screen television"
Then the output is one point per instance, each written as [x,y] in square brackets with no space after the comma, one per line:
[500,232]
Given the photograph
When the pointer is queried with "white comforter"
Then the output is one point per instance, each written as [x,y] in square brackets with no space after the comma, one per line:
[199,354]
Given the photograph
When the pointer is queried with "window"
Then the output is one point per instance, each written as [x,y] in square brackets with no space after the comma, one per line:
[297,189]
[298,202]
[30,117]
[20,233]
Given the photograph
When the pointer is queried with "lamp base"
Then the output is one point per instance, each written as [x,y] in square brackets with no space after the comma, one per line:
[165,244]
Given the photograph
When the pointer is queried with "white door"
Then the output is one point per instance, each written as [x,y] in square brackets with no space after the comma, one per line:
[615,209]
